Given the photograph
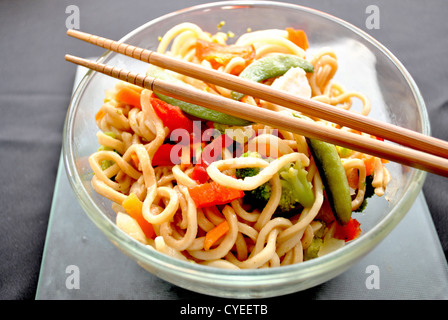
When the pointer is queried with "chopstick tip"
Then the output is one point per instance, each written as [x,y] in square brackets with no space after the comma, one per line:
[76,60]
[70,32]
[77,34]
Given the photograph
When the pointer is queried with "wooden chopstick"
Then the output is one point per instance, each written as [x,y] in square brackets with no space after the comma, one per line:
[406,156]
[387,131]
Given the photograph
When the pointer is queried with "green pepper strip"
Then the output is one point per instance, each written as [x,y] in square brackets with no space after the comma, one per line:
[270,67]
[192,109]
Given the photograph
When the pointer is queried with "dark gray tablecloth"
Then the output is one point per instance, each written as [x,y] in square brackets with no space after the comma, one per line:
[36,84]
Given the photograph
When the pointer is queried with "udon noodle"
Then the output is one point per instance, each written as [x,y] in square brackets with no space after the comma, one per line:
[238,233]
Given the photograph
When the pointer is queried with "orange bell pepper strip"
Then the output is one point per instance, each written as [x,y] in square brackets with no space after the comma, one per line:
[211,193]
[135,159]
[298,37]
[215,234]
[369,163]
[219,55]
[128,95]
[133,207]
[100,115]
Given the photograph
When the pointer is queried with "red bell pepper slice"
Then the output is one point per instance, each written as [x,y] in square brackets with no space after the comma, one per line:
[348,232]
[199,174]
[208,155]
[213,150]
[164,156]
[171,116]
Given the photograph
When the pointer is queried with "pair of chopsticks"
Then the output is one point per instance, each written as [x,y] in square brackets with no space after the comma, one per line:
[405,146]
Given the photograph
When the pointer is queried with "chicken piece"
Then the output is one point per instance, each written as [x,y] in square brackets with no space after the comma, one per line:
[294,81]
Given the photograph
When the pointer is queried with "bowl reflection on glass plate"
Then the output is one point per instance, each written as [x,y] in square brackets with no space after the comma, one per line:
[363,65]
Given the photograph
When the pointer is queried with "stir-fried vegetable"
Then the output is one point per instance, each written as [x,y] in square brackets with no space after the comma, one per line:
[212,236]
[135,159]
[129,94]
[213,150]
[133,206]
[312,251]
[219,55]
[209,154]
[298,37]
[212,193]
[296,190]
[189,108]
[370,191]
[298,185]
[334,178]
[199,173]
[271,67]
[164,156]
[171,116]
[349,231]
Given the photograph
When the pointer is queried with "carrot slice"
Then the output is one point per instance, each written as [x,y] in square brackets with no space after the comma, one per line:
[215,234]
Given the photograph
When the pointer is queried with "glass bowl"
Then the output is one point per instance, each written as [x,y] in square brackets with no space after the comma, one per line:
[364,65]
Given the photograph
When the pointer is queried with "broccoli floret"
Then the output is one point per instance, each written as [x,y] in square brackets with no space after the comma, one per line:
[296,190]
[248,172]
[288,200]
[259,197]
[370,191]
[261,194]
[300,188]
[312,251]
[252,154]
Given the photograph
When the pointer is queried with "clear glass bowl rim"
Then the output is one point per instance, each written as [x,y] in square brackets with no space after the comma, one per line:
[242,278]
